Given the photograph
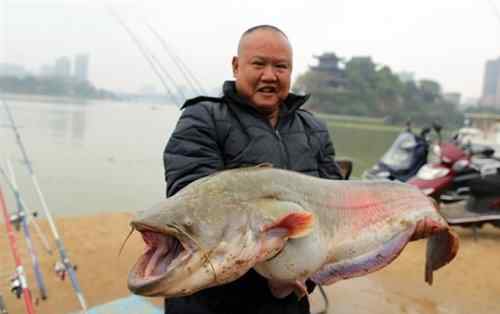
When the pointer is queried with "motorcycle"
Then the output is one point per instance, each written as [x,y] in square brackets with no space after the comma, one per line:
[482,197]
[465,173]
[404,158]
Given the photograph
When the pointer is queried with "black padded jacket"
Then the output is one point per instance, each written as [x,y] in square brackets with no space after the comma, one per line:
[213,134]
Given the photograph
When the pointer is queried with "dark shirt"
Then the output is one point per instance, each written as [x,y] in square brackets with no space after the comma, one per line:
[213,134]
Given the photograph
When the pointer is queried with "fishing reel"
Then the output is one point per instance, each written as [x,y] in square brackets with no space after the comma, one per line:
[60,269]
[15,286]
[16,220]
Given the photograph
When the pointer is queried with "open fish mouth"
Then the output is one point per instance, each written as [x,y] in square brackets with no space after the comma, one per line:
[164,253]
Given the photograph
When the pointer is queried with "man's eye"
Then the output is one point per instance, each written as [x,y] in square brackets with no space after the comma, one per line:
[282,66]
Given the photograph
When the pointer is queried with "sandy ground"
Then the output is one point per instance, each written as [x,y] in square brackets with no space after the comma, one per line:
[471,284]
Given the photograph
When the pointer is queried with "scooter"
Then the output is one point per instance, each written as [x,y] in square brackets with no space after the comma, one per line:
[447,179]
[482,200]
[404,158]
[465,173]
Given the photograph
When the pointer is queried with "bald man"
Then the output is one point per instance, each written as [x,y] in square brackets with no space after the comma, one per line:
[256,120]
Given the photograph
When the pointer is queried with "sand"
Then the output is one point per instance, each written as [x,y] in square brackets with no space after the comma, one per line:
[471,284]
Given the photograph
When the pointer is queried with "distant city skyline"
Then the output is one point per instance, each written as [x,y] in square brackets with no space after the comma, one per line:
[61,66]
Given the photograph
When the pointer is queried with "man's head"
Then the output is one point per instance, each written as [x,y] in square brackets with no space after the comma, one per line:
[263,68]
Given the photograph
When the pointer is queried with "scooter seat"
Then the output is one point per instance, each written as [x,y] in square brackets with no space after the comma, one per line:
[483,150]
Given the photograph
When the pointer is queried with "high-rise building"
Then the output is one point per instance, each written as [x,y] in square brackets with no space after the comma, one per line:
[15,70]
[491,84]
[82,67]
[62,67]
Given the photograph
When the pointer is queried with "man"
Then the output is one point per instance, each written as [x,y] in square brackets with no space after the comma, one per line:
[257,120]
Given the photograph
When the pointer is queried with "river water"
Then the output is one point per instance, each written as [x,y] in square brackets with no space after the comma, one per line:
[89,158]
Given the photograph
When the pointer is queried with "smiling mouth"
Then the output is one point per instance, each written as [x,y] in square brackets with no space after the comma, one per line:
[267,90]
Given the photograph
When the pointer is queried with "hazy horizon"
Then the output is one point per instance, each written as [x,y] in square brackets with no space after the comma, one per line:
[447,41]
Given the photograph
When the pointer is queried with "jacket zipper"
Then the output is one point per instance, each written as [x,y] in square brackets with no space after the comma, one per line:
[283,153]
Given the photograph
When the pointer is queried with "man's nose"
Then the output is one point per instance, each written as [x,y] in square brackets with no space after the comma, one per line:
[269,73]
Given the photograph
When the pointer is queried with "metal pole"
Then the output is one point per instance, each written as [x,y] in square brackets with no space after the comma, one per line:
[17,258]
[29,243]
[59,243]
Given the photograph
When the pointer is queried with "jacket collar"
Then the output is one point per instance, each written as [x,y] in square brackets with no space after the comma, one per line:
[290,105]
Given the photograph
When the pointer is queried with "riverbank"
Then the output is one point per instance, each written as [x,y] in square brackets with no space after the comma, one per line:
[470,284]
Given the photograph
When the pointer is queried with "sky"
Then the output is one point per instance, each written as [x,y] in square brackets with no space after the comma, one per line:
[446,40]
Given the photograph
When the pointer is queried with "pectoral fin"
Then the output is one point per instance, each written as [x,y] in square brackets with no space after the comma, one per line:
[285,215]
[298,224]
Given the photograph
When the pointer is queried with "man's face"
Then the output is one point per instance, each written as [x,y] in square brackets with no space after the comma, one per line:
[263,69]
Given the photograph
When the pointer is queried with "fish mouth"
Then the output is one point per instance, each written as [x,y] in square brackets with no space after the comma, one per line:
[165,251]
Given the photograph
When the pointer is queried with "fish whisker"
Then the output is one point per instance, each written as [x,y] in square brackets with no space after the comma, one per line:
[132,229]
[200,248]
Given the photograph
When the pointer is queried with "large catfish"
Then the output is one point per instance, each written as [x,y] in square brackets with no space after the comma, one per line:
[288,226]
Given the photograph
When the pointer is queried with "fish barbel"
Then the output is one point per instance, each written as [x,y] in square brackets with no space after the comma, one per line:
[288,226]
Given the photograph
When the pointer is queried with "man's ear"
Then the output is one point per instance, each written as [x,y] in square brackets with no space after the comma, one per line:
[234,63]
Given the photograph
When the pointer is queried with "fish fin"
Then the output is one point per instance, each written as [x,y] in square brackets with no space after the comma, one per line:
[362,264]
[442,247]
[298,224]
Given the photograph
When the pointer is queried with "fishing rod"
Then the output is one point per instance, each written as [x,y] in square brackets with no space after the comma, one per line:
[28,302]
[59,243]
[186,73]
[164,70]
[3,308]
[142,50]
[29,243]
[27,212]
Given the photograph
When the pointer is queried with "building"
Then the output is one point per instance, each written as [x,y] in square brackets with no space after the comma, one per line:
[62,67]
[81,72]
[491,84]
[328,63]
[452,98]
[13,70]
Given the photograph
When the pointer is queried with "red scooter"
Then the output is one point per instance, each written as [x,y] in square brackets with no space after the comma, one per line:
[438,180]
[464,172]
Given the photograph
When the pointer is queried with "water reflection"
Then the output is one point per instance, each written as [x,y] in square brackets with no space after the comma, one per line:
[66,124]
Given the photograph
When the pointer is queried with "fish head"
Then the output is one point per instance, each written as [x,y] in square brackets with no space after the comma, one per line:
[186,248]
[205,236]
[194,242]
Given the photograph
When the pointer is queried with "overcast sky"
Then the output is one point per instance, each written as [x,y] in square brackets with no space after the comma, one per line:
[445,40]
